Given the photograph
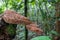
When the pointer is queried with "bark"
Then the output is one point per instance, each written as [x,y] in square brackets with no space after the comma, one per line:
[57,6]
[57,17]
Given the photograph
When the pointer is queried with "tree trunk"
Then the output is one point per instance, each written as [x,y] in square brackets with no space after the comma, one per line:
[57,17]
[57,6]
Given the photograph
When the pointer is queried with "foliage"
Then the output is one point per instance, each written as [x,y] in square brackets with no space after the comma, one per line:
[41,38]
[11,30]
[41,12]
[54,32]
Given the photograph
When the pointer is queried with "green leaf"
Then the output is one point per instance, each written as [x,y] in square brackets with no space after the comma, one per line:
[18,0]
[54,32]
[41,38]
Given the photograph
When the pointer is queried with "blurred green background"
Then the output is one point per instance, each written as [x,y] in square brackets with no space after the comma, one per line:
[41,12]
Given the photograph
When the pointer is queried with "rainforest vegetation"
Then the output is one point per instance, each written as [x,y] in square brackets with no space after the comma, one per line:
[44,13]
